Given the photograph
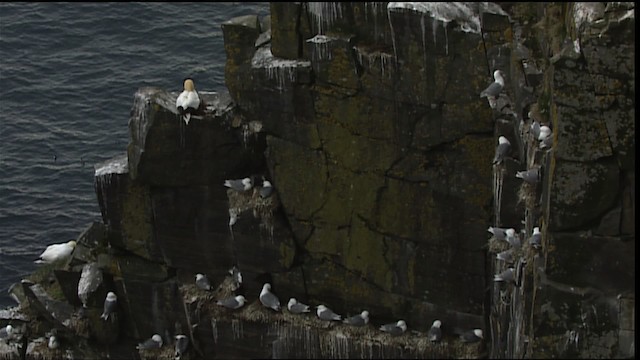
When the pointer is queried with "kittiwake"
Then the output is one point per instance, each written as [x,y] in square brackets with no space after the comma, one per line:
[268,299]
[545,137]
[266,189]
[296,307]
[239,184]
[182,342]
[56,252]
[536,238]
[361,319]
[110,303]
[494,89]
[236,277]
[506,256]
[471,336]
[203,282]
[531,176]
[188,101]
[435,332]
[534,128]
[502,150]
[395,329]
[498,233]
[506,276]
[513,239]
[155,342]
[324,313]
[234,302]
[53,342]
[6,332]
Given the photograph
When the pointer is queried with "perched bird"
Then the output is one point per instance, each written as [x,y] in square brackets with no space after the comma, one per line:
[513,239]
[471,336]
[534,129]
[361,319]
[545,138]
[494,89]
[498,233]
[182,342]
[506,256]
[234,302]
[502,150]
[531,176]
[296,307]
[268,299]
[202,282]
[395,329]
[110,303]
[236,277]
[188,101]
[56,252]
[53,342]
[536,238]
[324,313]
[155,342]
[239,185]
[435,333]
[506,276]
[6,332]
[266,189]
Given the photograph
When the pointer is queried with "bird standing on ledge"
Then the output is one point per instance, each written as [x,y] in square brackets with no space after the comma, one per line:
[188,102]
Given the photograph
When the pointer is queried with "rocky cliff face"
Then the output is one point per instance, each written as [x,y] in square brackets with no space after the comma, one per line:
[366,119]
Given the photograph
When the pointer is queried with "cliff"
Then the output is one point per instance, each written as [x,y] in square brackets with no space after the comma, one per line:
[366,118]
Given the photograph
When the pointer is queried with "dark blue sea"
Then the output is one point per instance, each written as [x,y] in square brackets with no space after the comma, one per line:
[68,72]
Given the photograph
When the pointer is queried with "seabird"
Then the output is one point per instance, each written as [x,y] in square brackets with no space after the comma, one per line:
[498,233]
[506,256]
[545,138]
[395,329]
[110,303]
[182,342]
[188,101]
[6,332]
[234,302]
[203,282]
[239,185]
[534,129]
[471,336]
[266,189]
[296,307]
[435,333]
[53,342]
[236,276]
[503,148]
[513,239]
[506,276]
[268,299]
[155,342]
[532,176]
[361,319]
[536,238]
[56,252]
[493,90]
[324,313]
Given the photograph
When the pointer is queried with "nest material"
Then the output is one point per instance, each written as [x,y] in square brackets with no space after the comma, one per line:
[527,195]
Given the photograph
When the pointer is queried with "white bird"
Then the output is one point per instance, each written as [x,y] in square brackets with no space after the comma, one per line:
[506,256]
[110,303]
[155,342]
[202,282]
[494,89]
[536,238]
[435,333]
[268,299]
[53,342]
[545,137]
[361,319]
[188,101]
[236,276]
[531,176]
[266,189]
[506,276]
[296,307]
[239,185]
[502,150]
[6,332]
[234,302]
[395,329]
[182,342]
[324,313]
[513,239]
[498,233]
[471,336]
[534,129]
[56,252]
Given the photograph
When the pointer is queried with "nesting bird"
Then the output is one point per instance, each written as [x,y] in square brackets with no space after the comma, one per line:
[56,252]
[513,239]
[268,299]
[471,336]
[202,282]
[494,89]
[534,128]
[361,319]
[234,302]
[182,342]
[296,307]
[531,176]
[236,277]
[266,189]
[498,233]
[545,138]
[6,332]
[110,303]
[506,256]
[502,150]
[506,276]
[395,329]
[324,313]
[435,332]
[188,101]
[53,342]
[239,184]
[155,342]
[536,238]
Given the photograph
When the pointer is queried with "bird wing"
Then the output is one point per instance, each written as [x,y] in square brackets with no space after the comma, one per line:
[492,90]
[270,300]
[231,302]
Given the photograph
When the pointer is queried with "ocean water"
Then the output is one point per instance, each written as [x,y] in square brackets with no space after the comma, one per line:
[68,72]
